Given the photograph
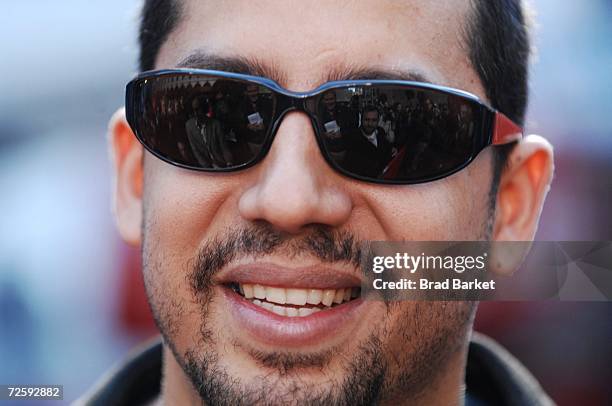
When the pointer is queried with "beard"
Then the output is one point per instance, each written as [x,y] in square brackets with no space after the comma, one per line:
[426,334]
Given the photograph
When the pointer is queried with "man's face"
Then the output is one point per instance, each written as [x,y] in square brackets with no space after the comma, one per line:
[291,221]
[196,107]
[369,121]
[465,113]
[329,99]
[428,106]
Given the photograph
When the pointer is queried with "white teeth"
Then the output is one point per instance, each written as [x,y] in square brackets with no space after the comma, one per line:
[314,296]
[339,296]
[347,294]
[284,310]
[259,291]
[276,295]
[271,297]
[328,297]
[297,296]
[248,290]
[304,311]
[280,310]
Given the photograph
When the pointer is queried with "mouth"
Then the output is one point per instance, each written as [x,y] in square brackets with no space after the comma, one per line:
[289,307]
[294,302]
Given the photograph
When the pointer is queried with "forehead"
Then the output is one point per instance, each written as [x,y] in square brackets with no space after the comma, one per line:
[303,42]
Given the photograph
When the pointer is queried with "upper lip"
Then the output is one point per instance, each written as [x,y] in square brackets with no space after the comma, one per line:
[320,276]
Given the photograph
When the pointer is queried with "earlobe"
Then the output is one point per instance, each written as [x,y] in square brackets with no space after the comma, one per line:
[126,160]
[522,189]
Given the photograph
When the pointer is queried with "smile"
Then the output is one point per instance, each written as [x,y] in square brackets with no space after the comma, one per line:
[294,302]
[292,307]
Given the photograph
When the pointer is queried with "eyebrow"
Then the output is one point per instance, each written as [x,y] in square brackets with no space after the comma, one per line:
[256,67]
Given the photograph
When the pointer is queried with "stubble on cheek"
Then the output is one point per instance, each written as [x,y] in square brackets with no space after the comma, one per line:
[420,340]
[407,347]
[174,309]
[401,352]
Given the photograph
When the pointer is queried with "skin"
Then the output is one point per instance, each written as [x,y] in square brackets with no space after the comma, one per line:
[173,212]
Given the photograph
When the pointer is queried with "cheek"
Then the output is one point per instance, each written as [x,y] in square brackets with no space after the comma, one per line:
[180,205]
[427,332]
[179,209]
[454,208]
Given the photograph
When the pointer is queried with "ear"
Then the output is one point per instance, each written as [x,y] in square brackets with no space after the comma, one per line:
[126,158]
[523,186]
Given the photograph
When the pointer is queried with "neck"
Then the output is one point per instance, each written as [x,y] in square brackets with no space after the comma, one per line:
[446,388]
[176,389]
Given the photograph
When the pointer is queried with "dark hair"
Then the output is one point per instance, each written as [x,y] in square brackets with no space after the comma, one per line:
[496,36]
[158,19]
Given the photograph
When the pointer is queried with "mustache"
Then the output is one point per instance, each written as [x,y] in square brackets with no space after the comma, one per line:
[260,239]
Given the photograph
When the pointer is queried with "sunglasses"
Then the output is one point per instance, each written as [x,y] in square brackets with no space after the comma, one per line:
[380,131]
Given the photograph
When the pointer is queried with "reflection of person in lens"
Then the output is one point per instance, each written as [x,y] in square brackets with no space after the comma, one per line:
[206,137]
[337,122]
[255,114]
[334,111]
[370,151]
[418,133]
[250,120]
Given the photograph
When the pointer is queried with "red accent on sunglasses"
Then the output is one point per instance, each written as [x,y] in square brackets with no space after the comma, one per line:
[505,130]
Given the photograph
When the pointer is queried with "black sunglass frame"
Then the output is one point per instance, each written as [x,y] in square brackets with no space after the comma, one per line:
[494,129]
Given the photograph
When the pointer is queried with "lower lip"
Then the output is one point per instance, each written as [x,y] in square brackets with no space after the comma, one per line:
[271,328]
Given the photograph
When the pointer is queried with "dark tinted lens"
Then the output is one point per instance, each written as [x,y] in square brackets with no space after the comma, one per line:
[397,133]
[202,122]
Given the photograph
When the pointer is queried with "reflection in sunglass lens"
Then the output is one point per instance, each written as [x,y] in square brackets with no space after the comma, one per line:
[389,133]
[397,133]
[203,122]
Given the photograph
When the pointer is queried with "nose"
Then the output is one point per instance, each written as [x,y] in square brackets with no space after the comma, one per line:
[294,187]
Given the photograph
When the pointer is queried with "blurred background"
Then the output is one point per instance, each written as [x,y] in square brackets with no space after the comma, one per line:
[71,298]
